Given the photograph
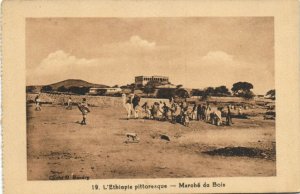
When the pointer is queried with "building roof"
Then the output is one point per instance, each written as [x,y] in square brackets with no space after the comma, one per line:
[158,76]
[166,86]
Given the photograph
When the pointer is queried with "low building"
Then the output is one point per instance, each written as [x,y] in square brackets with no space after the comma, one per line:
[141,81]
[166,86]
[104,91]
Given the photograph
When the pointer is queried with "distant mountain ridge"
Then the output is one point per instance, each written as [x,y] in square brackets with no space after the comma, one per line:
[72,82]
[76,82]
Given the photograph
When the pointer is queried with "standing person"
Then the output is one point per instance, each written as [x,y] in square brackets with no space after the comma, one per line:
[203,112]
[128,105]
[147,110]
[37,101]
[165,112]
[135,104]
[207,112]
[240,111]
[194,112]
[228,116]
[173,111]
[171,100]
[178,113]
[182,109]
[199,112]
[69,105]
[154,110]
[83,107]
[184,104]
[160,110]
[124,99]
[218,117]
[185,117]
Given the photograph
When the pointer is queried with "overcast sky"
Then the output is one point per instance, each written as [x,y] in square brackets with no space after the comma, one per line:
[195,52]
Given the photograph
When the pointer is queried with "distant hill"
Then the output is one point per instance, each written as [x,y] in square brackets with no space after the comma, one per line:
[76,82]
[67,84]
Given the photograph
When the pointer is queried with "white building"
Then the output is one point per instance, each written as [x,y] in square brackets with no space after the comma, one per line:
[141,81]
[104,91]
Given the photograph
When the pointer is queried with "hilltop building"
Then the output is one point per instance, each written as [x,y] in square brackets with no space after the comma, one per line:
[141,81]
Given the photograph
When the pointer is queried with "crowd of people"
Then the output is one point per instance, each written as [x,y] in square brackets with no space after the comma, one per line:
[175,112]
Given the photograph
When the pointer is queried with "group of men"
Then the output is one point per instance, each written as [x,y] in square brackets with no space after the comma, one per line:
[176,112]
[131,103]
[213,115]
[82,106]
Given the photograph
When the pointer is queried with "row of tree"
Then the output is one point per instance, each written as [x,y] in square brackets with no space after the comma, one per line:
[73,89]
[271,94]
[240,89]
[212,91]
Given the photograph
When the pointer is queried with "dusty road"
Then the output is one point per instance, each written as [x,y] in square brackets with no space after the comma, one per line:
[58,147]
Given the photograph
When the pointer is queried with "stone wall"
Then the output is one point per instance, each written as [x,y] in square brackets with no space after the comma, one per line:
[60,99]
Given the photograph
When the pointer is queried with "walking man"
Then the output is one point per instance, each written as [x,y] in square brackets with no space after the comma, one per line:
[165,112]
[194,112]
[128,105]
[207,112]
[69,105]
[228,116]
[83,107]
[135,103]
[37,103]
[124,99]
[199,112]
[147,110]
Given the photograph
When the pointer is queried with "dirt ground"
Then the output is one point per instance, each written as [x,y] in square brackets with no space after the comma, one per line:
[58,147]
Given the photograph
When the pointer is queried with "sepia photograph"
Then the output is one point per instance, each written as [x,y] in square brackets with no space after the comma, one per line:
[150,97]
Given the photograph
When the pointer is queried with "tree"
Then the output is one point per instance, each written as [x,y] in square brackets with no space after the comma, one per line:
[242,89]
[46,89]
[209,91]
[221,91]
[248,95]
[151,86]
[132,86]
[197,92]
[179,86]
[30,89]
[79,90]
[62,89]
[271,94]
[182,93]
[149,89]
[165,93]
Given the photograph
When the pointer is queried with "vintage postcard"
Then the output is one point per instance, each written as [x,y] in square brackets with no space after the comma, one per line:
[151,96]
